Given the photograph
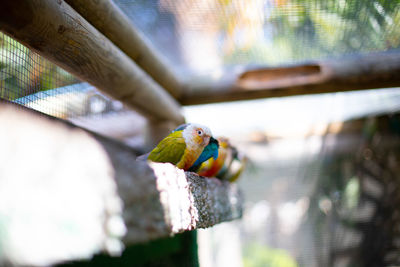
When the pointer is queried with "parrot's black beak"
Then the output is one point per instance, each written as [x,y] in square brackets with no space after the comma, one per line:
[215,141]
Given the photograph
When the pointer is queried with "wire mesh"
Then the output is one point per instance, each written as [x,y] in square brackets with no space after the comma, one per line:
[361,184]
[24,73]
[207,36]
[30,80]
[329,200]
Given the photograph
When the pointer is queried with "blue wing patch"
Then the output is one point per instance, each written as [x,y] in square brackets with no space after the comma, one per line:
[181,127]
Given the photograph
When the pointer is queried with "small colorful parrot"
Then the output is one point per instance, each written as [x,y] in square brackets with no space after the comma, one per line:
[235,169]
[211,167]
[183,146]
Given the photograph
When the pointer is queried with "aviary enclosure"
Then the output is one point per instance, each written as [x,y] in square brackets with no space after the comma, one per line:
[306,90]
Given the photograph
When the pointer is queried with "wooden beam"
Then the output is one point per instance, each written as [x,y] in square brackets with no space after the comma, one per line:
[66,193]
[105,16]
[57,32]
[368,71]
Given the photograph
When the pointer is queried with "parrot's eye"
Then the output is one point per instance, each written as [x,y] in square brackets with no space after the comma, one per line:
[199,132]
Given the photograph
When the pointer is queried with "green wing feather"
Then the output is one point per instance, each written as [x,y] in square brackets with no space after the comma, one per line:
[170,149]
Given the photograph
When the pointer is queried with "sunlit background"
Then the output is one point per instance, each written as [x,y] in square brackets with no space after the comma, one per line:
[207,37]
[322,182]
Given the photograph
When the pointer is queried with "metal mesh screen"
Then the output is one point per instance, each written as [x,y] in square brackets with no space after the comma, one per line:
[32,81]
[24,73]
[323,200]
[356,195]
[203,37]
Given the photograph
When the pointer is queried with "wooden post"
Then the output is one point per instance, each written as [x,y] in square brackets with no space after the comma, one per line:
[369,71]
[106,17]
[56,31]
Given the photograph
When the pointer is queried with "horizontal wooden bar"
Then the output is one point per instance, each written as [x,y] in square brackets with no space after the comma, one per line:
[66,193]
[367,71]
[57,32]
[106,17]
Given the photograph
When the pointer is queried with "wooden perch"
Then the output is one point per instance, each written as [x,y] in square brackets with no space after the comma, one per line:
[369,71]
[57,32]
[67,194]
[105,16]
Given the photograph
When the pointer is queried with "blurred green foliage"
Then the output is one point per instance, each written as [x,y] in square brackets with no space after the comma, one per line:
[257,255]
[295,30]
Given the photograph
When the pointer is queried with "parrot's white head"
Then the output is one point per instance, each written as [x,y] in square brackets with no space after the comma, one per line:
[196,135]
